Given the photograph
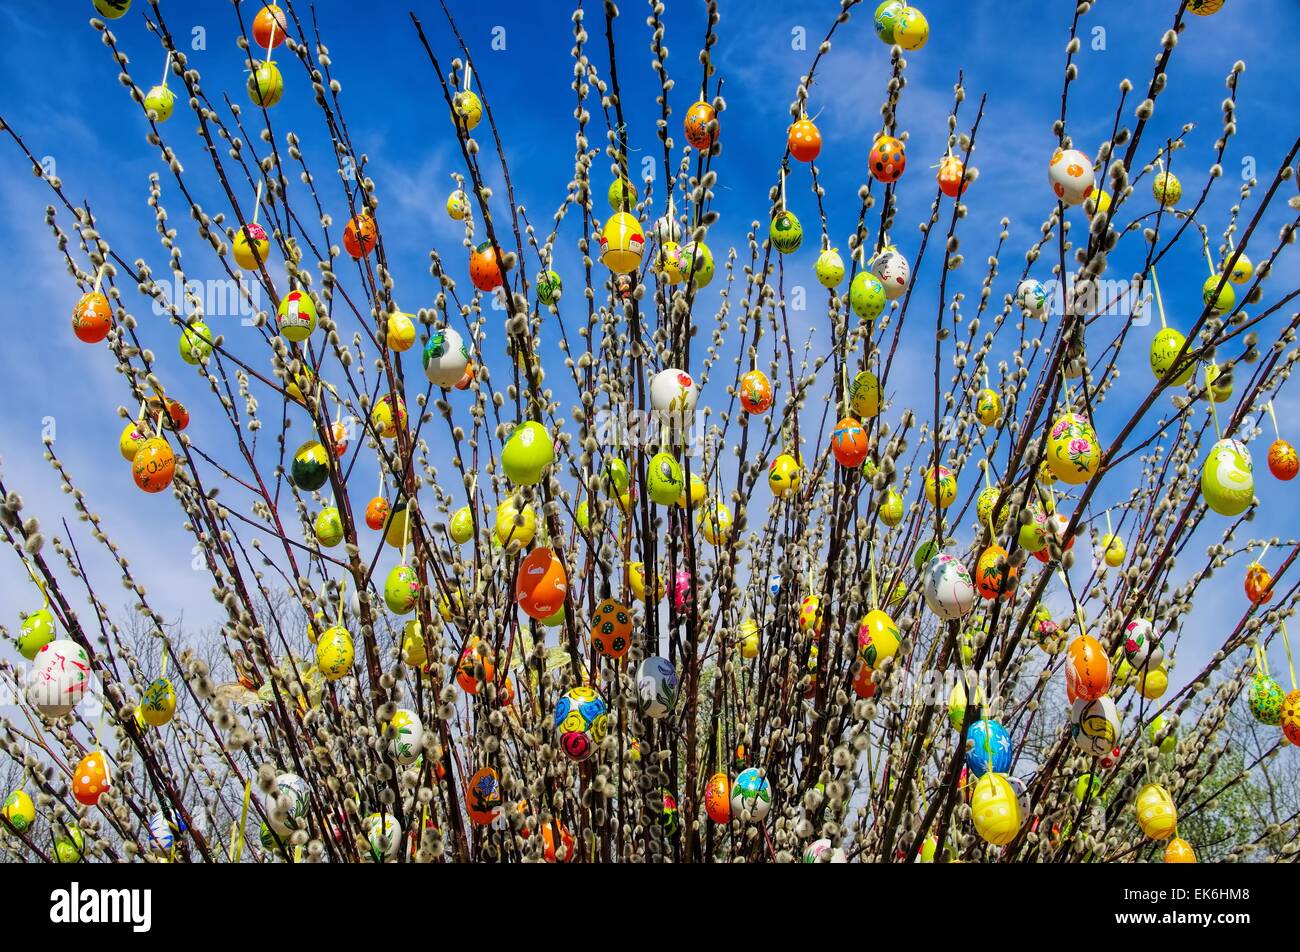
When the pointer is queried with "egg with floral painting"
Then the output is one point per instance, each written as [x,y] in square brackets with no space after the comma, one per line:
[948,588]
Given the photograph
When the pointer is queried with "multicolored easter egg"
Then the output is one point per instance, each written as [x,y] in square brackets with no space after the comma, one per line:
[886,19]
[989,748]
[984,504]
[1142,648]
[1087,670]
[158,702]
[69,841]
[265,86]
[701,125]
[912,30]
[948,588]
[377,513]
[485,267]
[196,343]
[995,808]
[611,629]
[887,159]
[311,466]
[784,476]
[1282,460]
[1070,175]
[1073,453]
[1032,297]
[810,614]
[893,271]
[1291,717]
[296,316]
[383,837]
[656,687]
[19,810]
[1227,478]
[60,678]
[1094,726]
[940,486]
[37,631]
[483,797]
[402,590]
[785,232]
[804,141]
[697,264]
[622,243]
[867,296]
[474,668]
[849,443]
[1156,813]
[717,798]
[665,480]
[878,638]
[542,583]
[988,406]
[549,287]
[1266,699]
[829,268]
[751,796]
[579,722]
[90,779]
[755,392]
[334,653]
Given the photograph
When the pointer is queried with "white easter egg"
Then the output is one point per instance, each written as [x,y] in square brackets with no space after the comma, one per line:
[295,817]
[1032,297]
[656,686]
[948,590]
[383,837]
[445,357]
[1094,726]
[674,392]
[893,271]
[1071,176]
[60,677]
[408,736]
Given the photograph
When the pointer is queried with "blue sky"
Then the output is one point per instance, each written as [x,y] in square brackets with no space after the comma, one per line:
[80,116]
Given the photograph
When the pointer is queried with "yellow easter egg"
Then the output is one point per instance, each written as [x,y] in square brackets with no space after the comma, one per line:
[1156,812]
[1153,683]
[334,653]
[413,650]
[1073,453]
[864,395]
[995,809]
[940,486]
[988,406]
[515,525]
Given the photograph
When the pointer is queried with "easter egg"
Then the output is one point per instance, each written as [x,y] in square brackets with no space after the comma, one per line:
[751,796]
[311,466]
[891,508]
[995,808]
[1073,453]
[445,357]
[1291,717]
[580,722]
[251,246]
[749,639]
[328,527]
[958,700]
[656,687]
[622,195]
[717,798]
[1227,479]
[377,513]
[133,437]
[664,479]
[334,653]
[457,205]
[783,476]
[1282,460]
[461,526]
[1241,271]
[383,837]
[785,233]
[912,30]
[160,101]
[1142,647]
[886,19]
[695,495]
[90,778]
[669,264]
[952,176]
[515,525]
[892,269]
[984,504]
[829,268]
[296,316]
[1164,351]
[1087,669]
[636,578]
[1167,740]
[804,141]
[541,584]
[485,267]
[697,264]
[269,27]
[92,317]
[611,629]
[70,842]
[810,614]
[408,736]
[878,638]
[195,343]
[1179,850]
[948,588]
[154,465]
[940,486]
[1219,300]
[994,573]
[867,296]
[1167,189]
[865,395]
[1032,297]
[111,10]
[621,243]
[715,520]
[414,652]
[265,85]
[158,702]
[401,590]
[674,393]
[887,159]
[989,748]
[701,125]
[1204,8]
[1156,813]
[1097,203]
[474,667]
[1070,175]
[527,452]
[60,677]
[1218,383]
[19,810]
[988,406]
[1094,726]
[549,287]
[466,110]
[755,392]
[37,631]
[1113,549]
[849,443]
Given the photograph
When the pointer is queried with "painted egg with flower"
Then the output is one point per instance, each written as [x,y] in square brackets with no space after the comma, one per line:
[1266,699]
[948,588]
[445,357]
[878,638]
[751,796]
[1291,717]
[886,19]
[1094,725]
[697,264]
[1070,175]
[783,476]
[60,677]
[995,575]
[717,798]
[377,513]
[755,392]
[988,406]
[408,736]
[1087,669]
[1032,297]
[674,392]
[37,631]
[251,246]
[892,270]
[334,653]
[401,590]
[1142,648]
[1227,479]
[483,797]
[158,702]
[1282,460]
[887,159]
[656,687]
[988,747]
[940,486]
[701,125]
[1073,453]
[293,816]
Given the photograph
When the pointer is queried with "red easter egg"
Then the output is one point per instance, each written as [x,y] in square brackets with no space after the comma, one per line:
[269,27]
[888,159]
[360,235]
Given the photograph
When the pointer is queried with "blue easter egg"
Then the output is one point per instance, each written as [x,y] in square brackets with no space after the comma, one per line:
[991,744]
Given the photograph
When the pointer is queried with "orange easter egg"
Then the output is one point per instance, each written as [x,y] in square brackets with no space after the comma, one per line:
[360,235]
[467,670]
[717,798]
[1087,670]
[849,443]
[90,779]
[1259,584]
[951,176]
[611,629]
[154,465]
[483,797]
[1179,851]
[804,141]
[1282,460]
[377,513]
[269,27]
[1291,717]
[92,318]
[994,573]
[541,583]
[755,392]
[698,118]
